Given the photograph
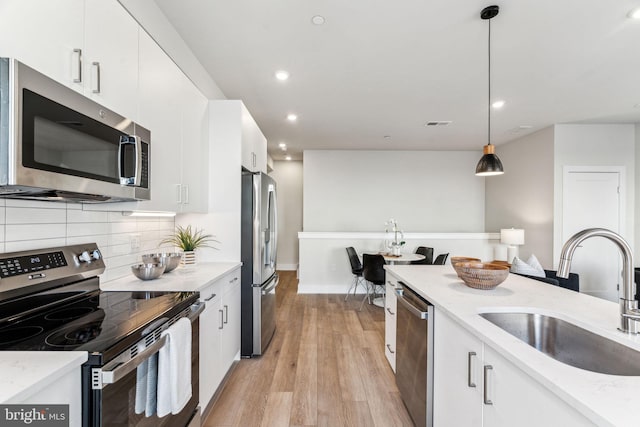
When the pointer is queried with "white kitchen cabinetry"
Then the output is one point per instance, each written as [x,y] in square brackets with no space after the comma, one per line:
[195,142]
[475,386]
[457,367]
[391,303]
[233,127]
[110,56]
[219,333]
[74,42]
[43,35]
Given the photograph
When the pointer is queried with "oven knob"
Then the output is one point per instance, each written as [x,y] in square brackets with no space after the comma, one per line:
[96,255]
[84,257]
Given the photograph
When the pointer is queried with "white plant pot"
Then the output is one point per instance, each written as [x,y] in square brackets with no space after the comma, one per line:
[188,258]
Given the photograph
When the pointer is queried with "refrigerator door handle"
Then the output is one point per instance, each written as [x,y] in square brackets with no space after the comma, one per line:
[269,287]
[273,201]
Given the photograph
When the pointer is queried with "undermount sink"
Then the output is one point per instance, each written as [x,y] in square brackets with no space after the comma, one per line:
[568,343]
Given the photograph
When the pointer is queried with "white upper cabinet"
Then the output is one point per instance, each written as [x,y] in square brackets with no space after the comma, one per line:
[233,130]
[88,45]
[110,57]
[195,143]
[43,35]
[159,111]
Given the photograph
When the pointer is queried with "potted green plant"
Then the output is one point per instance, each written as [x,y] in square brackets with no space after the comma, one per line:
[189,239]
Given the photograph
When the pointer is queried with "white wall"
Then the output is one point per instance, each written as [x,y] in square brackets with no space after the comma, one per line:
[431,191]
[288,177]
[594,145]
[26,225]
[523,196]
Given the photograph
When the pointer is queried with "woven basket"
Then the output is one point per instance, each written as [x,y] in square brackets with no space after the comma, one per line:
[482,275]
[458,259]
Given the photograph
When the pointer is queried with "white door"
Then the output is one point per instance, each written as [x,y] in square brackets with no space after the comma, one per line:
[592,199]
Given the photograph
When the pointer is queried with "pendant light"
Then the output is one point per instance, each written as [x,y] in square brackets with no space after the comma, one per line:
[489,164]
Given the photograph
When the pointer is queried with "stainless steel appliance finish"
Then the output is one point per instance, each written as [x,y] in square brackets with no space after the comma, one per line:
[56,144]
[258,251]
[568,343]
[50,300]
[629,312]
[414,355]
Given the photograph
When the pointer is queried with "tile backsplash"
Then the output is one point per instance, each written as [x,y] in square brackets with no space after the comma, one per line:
[26,225]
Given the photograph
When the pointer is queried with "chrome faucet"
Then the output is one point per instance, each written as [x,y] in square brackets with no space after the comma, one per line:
[629,313]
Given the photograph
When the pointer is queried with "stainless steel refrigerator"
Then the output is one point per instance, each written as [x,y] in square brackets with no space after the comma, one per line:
[259,248]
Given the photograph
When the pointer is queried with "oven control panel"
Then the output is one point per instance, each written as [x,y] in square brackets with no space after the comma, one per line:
[24,272]
[35,263]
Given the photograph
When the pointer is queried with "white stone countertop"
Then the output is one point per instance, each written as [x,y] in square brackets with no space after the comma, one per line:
[27,372]
[183,279]
[607,400]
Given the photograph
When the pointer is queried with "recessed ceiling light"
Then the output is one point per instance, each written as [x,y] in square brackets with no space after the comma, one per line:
[283,146]
[318,20]
[282,75]
[498,104]
[292,117]
[634,14]
[288,158]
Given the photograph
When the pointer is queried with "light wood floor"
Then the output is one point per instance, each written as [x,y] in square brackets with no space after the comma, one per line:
[324,367]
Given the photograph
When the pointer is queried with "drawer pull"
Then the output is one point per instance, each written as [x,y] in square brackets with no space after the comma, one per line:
[210,298]
[389,347]
[488,388]
[390,312]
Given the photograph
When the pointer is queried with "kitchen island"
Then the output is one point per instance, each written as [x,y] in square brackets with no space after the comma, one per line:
[588,397]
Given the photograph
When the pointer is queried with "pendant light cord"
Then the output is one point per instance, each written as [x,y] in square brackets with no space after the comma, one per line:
[489,87]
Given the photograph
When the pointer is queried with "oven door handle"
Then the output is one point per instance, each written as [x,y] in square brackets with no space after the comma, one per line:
[116,370]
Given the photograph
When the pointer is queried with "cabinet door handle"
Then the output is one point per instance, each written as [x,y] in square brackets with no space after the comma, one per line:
[226,314]
[76,66]
[95,67]
[471,369]
[186,194]
[210,298]
[389,347]
[179,193]
[390,312]
[488,388]
[221,319]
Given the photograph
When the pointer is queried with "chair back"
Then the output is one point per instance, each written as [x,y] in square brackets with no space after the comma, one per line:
[428,255]
[373,269]
[356,266]
[441,259]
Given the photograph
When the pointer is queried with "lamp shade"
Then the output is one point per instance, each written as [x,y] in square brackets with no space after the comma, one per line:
[489,163]
[512,236]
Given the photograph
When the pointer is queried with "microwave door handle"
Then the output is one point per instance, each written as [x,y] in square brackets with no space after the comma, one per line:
[136,179]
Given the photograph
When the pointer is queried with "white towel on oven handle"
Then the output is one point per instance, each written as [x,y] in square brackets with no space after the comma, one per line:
[174,369]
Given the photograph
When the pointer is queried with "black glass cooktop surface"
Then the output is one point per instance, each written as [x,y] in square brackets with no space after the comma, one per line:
[96,321]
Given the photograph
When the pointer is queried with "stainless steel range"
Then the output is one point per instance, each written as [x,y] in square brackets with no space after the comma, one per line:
[50,300]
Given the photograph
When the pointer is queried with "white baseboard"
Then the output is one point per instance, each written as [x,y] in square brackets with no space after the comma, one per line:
[287,267]
[326,289]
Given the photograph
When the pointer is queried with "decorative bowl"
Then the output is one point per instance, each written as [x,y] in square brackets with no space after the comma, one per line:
[148,271]
[482,275]
[169,259]
[458,259]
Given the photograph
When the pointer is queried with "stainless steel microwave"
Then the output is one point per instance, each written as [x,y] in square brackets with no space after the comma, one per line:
[56,144]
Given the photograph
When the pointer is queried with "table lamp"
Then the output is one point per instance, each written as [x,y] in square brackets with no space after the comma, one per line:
[512,237]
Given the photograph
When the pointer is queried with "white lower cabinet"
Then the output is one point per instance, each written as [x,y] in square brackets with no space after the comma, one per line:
[219,333]
[476,386]
[391,303]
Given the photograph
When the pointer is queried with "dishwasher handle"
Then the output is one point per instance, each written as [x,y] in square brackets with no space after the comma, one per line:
[412,309]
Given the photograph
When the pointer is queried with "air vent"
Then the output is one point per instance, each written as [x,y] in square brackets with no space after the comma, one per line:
[438,123]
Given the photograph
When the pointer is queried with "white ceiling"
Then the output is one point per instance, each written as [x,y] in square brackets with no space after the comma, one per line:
[379,67]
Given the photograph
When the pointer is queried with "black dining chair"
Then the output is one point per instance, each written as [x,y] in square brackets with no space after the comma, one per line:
[374,275]
[428,255]
[356,270]
[441,259]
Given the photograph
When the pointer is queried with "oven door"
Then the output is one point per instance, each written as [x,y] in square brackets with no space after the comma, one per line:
[114,404]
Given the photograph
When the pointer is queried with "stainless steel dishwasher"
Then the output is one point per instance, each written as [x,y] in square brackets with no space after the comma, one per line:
[414,354]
